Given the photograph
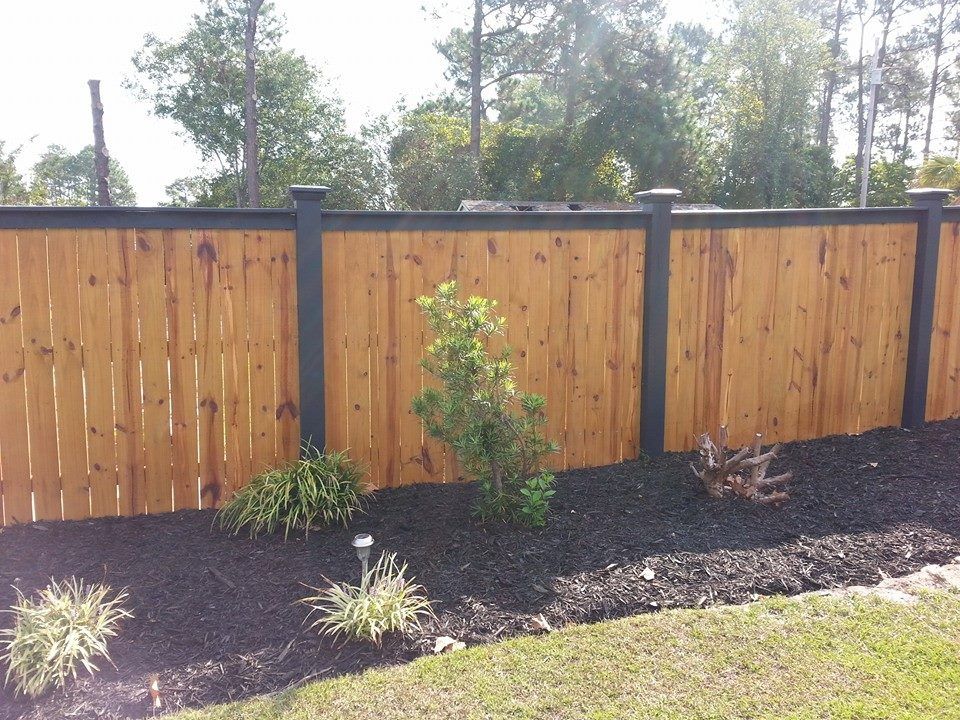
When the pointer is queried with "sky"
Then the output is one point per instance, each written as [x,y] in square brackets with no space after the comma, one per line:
[373,51]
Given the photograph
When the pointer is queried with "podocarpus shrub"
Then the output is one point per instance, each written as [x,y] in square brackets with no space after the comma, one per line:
[54,636]
[386,601]
[494,428]
[318,489]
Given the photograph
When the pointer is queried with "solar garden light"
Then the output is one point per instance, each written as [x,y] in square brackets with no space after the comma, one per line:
[362,543]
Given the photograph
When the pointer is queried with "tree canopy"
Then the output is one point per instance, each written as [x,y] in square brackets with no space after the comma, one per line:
[60,177]
[197,81]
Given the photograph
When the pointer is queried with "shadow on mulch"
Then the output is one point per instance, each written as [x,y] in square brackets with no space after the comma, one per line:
[215,616]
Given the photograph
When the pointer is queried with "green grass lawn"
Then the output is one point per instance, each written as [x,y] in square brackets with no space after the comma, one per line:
[802,658]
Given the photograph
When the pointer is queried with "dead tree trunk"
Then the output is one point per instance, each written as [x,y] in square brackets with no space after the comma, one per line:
[250,148]
[742,474]
[101,158]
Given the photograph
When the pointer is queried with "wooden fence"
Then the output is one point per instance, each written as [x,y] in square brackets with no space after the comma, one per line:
[144,370]
[573,305]
[153,360]
[796,332]
[943,391]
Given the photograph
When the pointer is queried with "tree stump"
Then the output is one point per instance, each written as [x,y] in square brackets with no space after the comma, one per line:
[741,474]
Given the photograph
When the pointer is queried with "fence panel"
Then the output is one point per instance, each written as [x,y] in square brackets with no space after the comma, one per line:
[795,332]
[572,303]
[943,389]
[143,369]
[155,366]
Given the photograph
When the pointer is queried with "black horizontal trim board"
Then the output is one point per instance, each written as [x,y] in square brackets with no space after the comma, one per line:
[146,218]
[360,221]
[722,219]
[951,213]
[356,221]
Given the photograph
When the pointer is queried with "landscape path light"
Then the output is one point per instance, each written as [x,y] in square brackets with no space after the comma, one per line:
[363,542]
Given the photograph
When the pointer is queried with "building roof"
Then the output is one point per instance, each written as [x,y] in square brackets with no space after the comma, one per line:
[571,206]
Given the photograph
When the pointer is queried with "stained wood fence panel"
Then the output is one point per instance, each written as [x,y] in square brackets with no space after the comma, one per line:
[143,370]
[571,300]
[796,332]
[150,370]
[943,388]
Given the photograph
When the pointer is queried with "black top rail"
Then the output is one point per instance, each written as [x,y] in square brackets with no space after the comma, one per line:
[28,217]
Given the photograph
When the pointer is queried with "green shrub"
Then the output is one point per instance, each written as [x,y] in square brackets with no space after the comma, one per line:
[492,426]
[318,489]
[65,629]
[384,602]
[536,493]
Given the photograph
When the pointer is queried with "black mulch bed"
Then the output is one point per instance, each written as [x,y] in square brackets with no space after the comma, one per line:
[215,616]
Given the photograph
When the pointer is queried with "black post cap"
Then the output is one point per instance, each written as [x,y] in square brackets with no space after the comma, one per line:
[308,193]
[928,195]
[658,195]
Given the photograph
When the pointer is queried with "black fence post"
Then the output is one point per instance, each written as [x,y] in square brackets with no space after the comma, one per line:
[930,201]
[308,202]
[656,283]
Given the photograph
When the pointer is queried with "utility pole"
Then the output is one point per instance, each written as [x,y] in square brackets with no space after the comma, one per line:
[875,82]
[101,158]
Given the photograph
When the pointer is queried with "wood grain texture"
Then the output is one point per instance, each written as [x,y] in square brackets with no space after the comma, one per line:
[792,332]
[68,370]
[143,370]
[572,302]
[14,441]
[943,385]
[152,370]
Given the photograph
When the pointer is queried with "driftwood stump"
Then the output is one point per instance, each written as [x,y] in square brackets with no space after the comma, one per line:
[742,474]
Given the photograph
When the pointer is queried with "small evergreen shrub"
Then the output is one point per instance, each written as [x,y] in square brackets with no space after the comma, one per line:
[536,493]
[54,636]
[384,602]
[318,489]
[494,428]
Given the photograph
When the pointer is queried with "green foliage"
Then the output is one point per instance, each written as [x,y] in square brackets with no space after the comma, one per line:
[62,178]
[384,602]
[197,81]
[536,493]
[492,426]
[765,80]
[940,171]
[318,489]
[13,191]
[889,181]
[431,165]
[54,636]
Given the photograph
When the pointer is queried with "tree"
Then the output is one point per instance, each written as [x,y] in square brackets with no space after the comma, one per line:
[940,171]
[889,180]
[62,178]
[13,190]
[764,107]
[594,89]
[493,426]
[886,13]
[836,22]
[941,26]
[900,104]
[492,50]
[101,157]
[198,81]
[430,160]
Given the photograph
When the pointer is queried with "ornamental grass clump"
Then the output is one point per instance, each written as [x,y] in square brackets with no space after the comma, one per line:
[386,601]
[319,489]
[494,428]
[54,636]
